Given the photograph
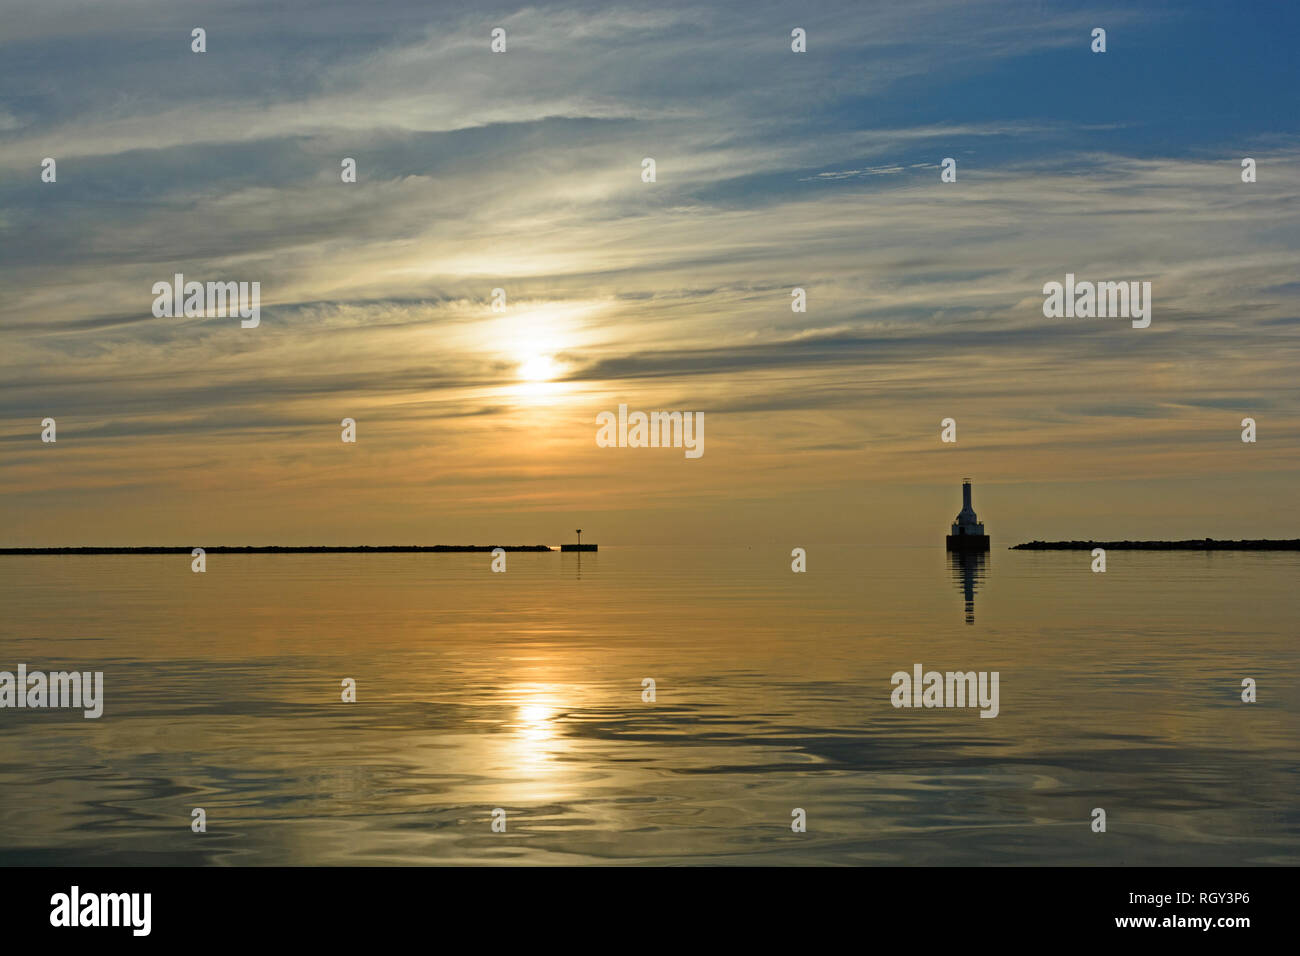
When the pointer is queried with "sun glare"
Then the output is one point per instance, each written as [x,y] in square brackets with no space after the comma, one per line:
[538,368]
[534,346]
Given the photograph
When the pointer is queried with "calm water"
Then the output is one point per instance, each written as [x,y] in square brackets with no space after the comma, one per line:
[523,691]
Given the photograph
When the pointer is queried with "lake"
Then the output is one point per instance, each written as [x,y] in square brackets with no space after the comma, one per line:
[523,691]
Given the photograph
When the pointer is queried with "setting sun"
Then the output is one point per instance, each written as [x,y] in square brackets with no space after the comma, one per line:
[539,368]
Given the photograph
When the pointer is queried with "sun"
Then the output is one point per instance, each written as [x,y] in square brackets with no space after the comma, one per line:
[538,368]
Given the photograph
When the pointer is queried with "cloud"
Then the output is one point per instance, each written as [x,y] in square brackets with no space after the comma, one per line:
[522,171]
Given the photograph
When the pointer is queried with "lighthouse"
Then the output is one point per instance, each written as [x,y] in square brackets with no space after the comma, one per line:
[967,531]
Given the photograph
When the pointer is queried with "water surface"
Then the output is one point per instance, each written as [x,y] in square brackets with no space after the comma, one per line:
[523,691]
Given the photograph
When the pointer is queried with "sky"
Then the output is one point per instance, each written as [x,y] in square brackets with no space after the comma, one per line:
[522,171]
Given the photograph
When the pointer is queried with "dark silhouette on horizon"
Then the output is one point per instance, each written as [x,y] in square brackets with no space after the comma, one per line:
[579,546]
[1191,544]
[293,549]
[967,531]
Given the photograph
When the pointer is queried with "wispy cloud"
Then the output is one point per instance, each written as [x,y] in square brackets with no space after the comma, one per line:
[522,171]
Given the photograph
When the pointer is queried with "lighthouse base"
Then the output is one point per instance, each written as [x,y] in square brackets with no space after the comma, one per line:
[968,542]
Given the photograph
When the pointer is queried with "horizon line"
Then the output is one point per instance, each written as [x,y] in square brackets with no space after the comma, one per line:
[277,549]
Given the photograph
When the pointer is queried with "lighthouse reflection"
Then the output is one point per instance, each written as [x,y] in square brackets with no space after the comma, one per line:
[968,569]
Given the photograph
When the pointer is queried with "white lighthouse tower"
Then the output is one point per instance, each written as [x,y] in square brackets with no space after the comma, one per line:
[967,531]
